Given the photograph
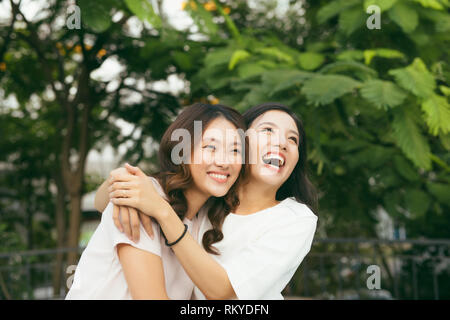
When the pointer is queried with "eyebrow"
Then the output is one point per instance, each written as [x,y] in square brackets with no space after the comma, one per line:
[273,124]
[235,143]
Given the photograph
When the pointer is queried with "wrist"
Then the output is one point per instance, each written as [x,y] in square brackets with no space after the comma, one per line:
[164,213]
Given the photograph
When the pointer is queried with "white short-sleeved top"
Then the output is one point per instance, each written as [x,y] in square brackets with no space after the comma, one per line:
[261,251]
[99,273]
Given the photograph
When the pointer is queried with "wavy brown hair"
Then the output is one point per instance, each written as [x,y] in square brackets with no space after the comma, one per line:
[176,178]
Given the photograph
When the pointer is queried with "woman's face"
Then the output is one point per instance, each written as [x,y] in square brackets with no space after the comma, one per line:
[273,141]
[216,160]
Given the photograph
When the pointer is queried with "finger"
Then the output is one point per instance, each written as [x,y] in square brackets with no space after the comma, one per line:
[121,177]
[116,172]
[116,219]
[120,185]
[135,170]
[129,202]
[122,193]
[147,223]
[125,217]
[135,224]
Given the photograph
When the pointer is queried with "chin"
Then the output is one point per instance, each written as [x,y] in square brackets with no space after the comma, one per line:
[218,193]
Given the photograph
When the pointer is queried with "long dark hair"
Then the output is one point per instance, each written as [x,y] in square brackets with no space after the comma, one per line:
[298,184]
[176,178]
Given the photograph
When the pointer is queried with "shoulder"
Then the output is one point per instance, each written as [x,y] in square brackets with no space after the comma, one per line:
[296,211]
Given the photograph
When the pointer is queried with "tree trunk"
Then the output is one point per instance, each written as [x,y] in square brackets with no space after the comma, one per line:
[74,228]
[60,235]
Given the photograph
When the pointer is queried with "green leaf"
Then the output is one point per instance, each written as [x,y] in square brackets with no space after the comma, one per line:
[310,60]
[183,60]
[415,78]
[247,70]
[349,67]
[437,114]
[95,14]
[276,53]
[255,96]
[217,57]
[372,157]
[409,138]
[405,169]
[434,4]
[445,140]
[381,52]
[441,191]
[237,56]
[350,55]
[323,89]
[391,202]
[287,79]
[405,16]
[143,9]
[383,94]
[382,4]
[441,19]
[334,8]
[417,202]
[350,20]
[445,90]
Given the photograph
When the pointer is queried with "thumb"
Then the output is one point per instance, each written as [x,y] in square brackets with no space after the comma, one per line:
[134,170]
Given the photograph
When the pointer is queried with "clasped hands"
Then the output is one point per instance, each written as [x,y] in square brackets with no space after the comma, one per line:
[135,200]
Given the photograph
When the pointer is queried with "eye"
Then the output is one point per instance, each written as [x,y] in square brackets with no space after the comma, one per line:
[210,146]
[294,139]
[267,129]
[236,151]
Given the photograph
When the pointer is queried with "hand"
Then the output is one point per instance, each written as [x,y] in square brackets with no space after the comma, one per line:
[135,189]
[129,219]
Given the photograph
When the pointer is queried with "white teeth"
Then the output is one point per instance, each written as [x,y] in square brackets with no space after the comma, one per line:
[218,176]
[274,156]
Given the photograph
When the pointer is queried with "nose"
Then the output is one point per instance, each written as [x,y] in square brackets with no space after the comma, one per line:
[281,142]
[221,160]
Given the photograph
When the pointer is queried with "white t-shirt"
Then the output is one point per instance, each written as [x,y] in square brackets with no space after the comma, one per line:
[261,251]
[99,273]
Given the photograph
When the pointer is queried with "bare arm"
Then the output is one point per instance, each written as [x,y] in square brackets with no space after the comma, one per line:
[102,197]
[144,273]
[207,274]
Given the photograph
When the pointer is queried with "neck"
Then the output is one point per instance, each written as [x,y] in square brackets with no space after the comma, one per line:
[255,196]
[195,200]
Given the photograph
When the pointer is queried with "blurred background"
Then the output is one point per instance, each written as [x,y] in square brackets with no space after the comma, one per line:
[88,85]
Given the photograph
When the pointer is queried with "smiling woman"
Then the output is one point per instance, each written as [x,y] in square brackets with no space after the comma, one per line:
[262,238]
[112,265]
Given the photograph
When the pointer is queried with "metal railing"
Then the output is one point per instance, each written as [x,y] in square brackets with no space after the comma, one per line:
[344,269]
[334,269]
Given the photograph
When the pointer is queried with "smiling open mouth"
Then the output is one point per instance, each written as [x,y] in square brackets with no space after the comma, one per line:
[274,160]
[219,177]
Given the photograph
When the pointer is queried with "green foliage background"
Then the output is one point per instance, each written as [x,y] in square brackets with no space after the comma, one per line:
[374,102]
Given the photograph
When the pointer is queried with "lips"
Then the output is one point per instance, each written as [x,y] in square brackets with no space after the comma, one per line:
[220,177]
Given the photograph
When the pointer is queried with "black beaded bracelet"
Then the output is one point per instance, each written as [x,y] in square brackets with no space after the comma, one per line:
[176,241]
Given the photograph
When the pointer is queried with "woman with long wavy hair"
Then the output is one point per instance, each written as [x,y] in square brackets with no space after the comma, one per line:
[266,236]
[113,266]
